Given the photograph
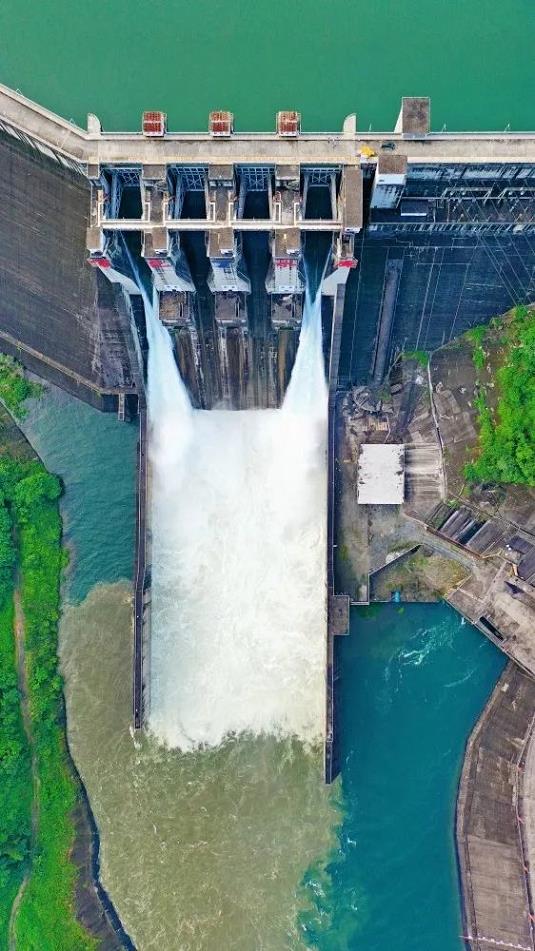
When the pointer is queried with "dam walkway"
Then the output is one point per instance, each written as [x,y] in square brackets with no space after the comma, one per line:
[412,136]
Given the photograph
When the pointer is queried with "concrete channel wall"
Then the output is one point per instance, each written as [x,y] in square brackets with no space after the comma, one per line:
[493,857]
[141,579]
[337,605]
[331,767]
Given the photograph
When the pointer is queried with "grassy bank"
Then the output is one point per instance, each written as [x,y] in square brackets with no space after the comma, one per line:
[45,917]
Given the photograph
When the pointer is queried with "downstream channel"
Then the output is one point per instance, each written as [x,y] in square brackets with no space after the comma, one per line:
[245,840]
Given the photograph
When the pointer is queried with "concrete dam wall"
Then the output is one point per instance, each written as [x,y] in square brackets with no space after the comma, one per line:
[63,320]
[461,242]
[441,248]
[242,366]
[66,322]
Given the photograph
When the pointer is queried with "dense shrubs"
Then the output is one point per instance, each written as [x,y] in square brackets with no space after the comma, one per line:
[15,771]
[7,554]
[507,435]
[46,918]
[15,388]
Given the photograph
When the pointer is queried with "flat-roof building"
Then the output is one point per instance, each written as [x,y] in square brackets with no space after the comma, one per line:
[381,475]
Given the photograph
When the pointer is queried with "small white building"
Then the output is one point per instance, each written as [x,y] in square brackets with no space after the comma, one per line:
[381,474]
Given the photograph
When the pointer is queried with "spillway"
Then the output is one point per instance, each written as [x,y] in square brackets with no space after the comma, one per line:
[238,617]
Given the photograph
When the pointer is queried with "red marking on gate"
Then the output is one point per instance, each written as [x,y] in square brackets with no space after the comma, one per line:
[99,262]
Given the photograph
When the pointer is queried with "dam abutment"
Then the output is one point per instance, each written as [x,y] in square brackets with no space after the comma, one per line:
[61,320]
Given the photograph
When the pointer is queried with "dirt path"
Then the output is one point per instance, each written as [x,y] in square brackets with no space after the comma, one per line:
[27,723]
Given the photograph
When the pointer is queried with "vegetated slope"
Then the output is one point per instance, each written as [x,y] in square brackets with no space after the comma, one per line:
[15,772]
[45,917]
[15,387]
[35,867]
[504,356]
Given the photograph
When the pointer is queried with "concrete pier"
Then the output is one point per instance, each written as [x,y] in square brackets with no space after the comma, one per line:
[337,604]
[141,578]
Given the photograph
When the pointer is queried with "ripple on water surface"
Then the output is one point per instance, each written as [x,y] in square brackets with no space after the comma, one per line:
[415,679]
[237,846]
[203,850]
[211,851]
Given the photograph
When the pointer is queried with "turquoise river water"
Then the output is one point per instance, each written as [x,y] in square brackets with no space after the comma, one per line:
[245,849]
[369,864]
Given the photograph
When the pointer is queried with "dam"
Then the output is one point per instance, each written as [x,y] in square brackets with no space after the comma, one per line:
[221,219]
[426,235]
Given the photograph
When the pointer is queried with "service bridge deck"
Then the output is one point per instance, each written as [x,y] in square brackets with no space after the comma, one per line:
[65,140]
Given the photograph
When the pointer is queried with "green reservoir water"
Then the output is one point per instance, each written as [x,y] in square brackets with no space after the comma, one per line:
[327,59]
[245,849]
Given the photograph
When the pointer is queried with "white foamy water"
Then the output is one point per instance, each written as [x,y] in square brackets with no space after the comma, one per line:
[238,576]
